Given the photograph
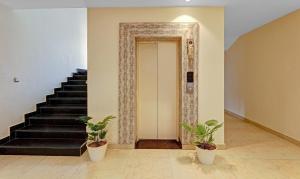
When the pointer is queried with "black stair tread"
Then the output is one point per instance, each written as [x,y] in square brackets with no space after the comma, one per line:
[80,70]
[64,107]
[70,91]
[46,116]
[62,114]
[68,87]
[52,128]
[77,80]
[45,143]
[79,75]
[75,85]
[68,98]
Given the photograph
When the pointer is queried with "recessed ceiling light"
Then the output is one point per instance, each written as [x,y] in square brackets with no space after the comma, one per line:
[187,0]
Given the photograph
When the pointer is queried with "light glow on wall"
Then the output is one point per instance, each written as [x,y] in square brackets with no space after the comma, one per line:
[185,18]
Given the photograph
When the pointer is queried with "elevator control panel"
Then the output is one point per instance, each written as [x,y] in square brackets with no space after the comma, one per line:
[190,82]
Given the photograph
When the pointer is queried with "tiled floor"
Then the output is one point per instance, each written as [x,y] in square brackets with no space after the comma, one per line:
[252,154]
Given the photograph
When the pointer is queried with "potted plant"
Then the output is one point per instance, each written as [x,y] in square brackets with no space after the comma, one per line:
[204,139]
[97,144]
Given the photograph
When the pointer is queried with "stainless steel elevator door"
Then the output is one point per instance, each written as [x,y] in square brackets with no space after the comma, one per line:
[157,90]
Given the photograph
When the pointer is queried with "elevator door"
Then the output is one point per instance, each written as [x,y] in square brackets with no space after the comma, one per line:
[157,90]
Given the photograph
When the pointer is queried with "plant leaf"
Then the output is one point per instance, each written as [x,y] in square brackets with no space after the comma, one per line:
[103,134]
[91,138]
[84,119]
[96,130]
[187,127]
[106,119]
[217,127]
[210,139]
[200,130]
[93,134]
[212,122]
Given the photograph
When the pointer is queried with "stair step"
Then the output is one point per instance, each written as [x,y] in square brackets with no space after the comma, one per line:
[76,82]
[52,131]
[82,71]
[75,87]
[76,101]
[57,119]
[71,93]
[75,110]
[54,128]
[51,147]
[78,77]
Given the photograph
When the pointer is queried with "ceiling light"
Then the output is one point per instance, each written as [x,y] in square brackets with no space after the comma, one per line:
[187,0]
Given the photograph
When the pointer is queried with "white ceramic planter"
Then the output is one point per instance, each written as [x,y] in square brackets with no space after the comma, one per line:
[206,157]
[97,153]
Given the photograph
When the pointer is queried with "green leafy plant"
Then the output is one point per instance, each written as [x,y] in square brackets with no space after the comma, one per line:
[204,133]
[97,131]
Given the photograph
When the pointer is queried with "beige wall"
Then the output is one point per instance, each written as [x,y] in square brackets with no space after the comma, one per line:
[262,71]
[103,56]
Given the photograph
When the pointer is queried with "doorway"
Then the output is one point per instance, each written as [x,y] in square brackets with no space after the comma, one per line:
[188,33]
[158,93]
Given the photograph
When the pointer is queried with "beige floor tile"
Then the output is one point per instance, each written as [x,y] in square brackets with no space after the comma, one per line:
[251,154]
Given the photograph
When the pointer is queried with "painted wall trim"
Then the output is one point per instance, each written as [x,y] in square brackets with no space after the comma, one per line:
[267,129]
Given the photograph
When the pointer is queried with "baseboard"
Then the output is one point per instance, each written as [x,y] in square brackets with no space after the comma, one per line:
[17,126]
[121,146]
[30,114]
[234,115]
[283,136]
[192,147]
[4,140]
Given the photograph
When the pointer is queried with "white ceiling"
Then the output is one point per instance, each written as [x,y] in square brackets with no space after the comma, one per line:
[241,16]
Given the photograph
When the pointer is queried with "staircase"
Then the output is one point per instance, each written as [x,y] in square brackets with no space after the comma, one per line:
[53,129]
